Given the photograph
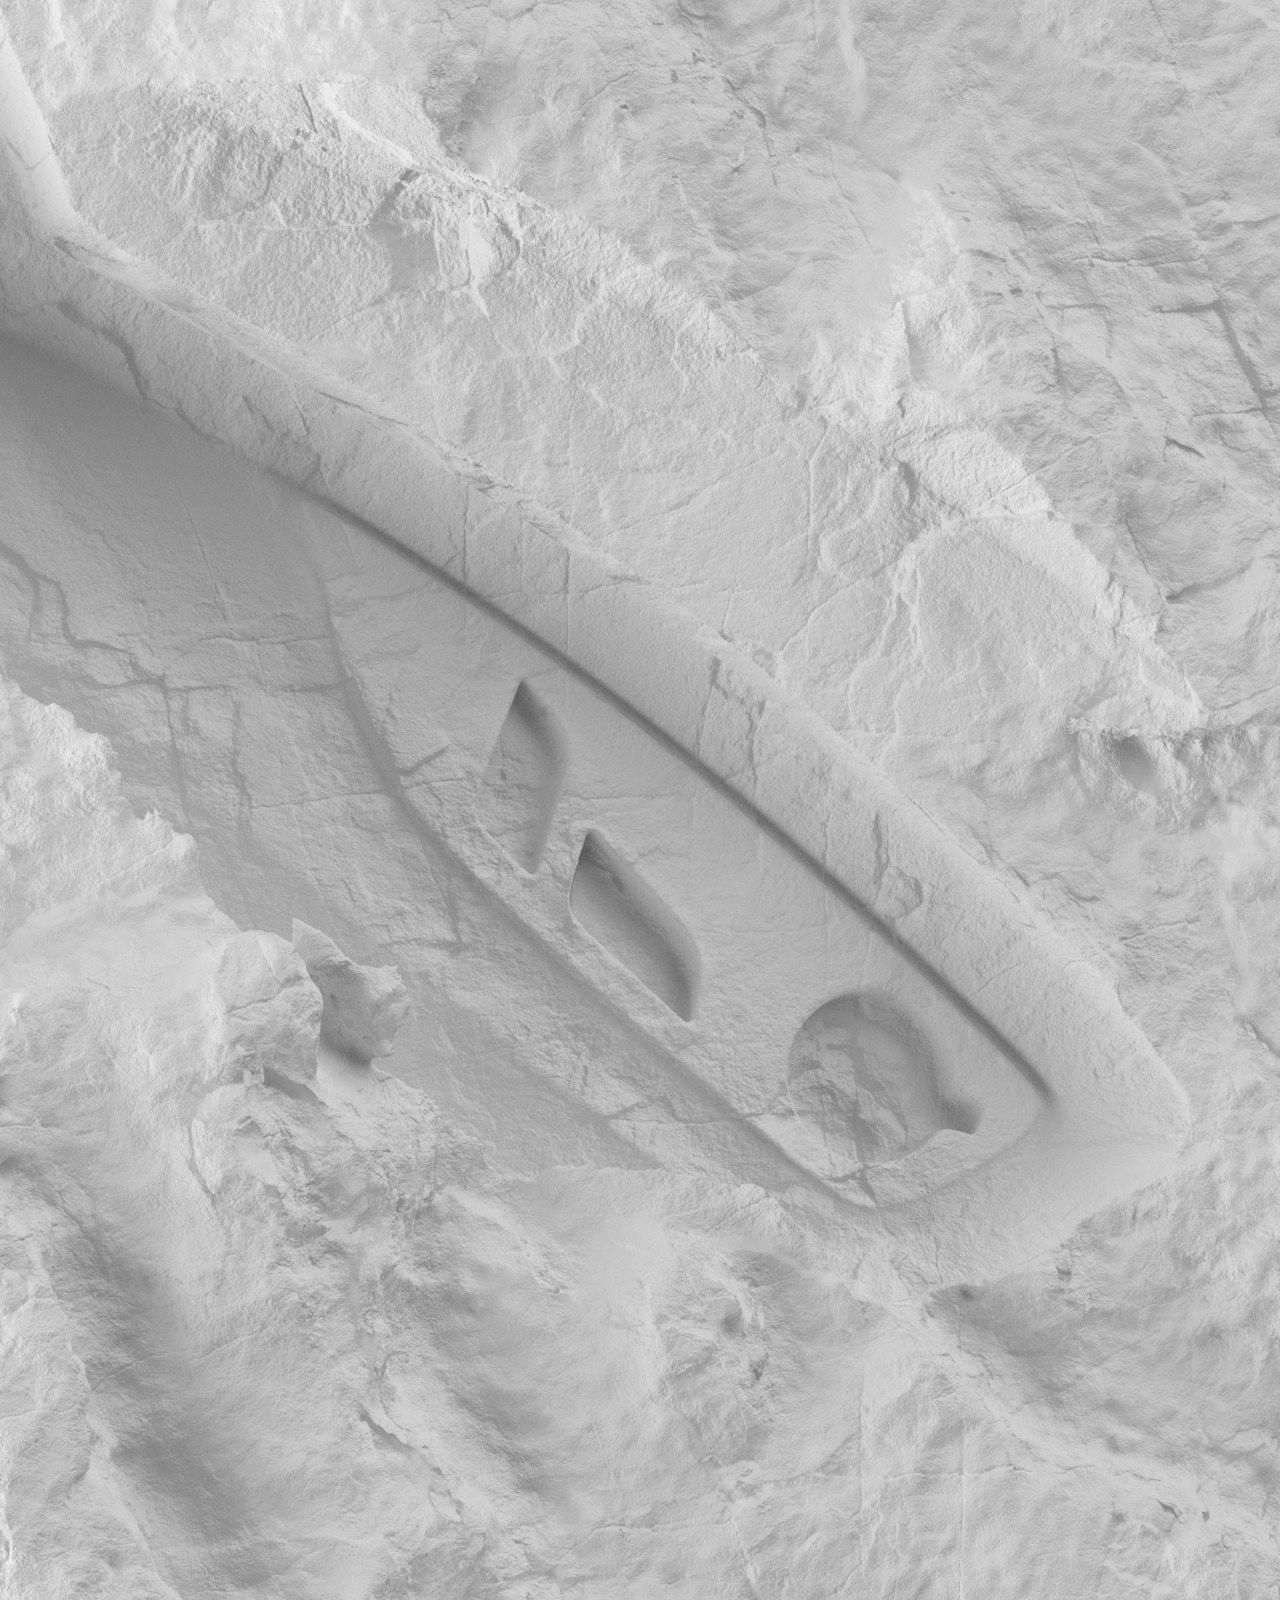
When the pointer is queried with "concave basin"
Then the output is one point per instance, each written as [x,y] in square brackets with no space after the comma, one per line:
[862,1089]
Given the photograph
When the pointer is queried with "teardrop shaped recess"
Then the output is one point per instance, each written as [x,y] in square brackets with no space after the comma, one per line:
[524,780]
[620,911]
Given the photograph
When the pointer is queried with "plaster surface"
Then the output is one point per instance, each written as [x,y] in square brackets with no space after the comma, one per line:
[641,864]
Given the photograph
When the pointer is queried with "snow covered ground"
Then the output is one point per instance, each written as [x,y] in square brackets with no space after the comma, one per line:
[927,354]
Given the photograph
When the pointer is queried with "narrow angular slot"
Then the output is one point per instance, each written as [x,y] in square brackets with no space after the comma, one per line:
[617,908]
[524,779]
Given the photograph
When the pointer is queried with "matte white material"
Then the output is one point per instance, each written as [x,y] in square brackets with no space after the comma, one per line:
[783,855]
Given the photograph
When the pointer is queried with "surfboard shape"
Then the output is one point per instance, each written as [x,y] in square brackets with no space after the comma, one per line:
[886,1032]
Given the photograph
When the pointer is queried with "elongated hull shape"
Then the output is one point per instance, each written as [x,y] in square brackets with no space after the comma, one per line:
[804,984]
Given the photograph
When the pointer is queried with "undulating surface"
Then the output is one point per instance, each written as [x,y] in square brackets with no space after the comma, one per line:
[361,1238]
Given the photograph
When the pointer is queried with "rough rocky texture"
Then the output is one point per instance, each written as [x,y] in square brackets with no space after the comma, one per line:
[272,1008]
[364,1007]
[928,352]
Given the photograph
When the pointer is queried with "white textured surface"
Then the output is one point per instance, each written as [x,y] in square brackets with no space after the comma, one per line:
[929,357]
[708,861]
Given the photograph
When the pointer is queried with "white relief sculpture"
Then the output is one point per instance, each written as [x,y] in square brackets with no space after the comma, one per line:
[710,836]
[501,1091]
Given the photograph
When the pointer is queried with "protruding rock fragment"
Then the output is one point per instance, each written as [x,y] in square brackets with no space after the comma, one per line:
[364,1007]
[273,1009]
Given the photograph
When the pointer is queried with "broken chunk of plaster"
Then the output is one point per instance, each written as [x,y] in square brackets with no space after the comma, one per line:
[272,1007]
[364,1007]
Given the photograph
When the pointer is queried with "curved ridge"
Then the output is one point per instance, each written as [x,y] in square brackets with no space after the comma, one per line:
[1109,1115]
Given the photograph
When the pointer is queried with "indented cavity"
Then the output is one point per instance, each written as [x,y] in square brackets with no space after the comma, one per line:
[523,780]
[620,910]
[862,1087]
[1135,764]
